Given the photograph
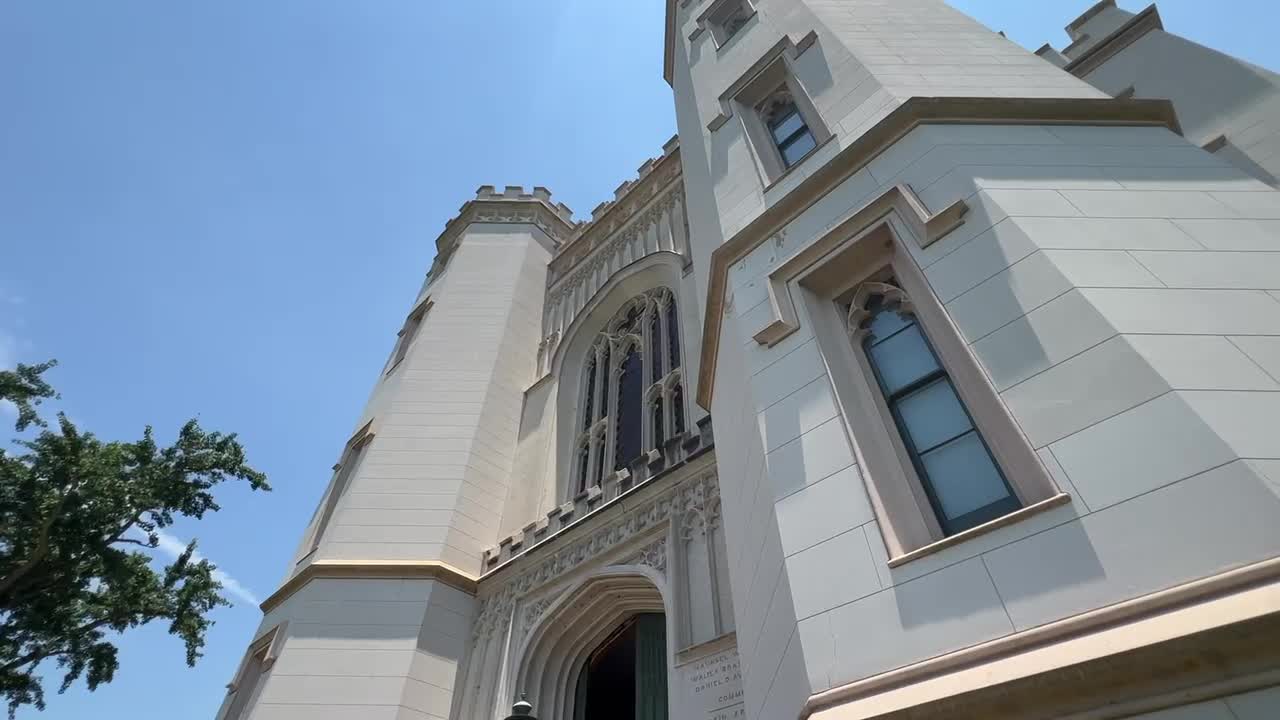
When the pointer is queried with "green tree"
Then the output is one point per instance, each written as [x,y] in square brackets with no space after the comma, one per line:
[77,518]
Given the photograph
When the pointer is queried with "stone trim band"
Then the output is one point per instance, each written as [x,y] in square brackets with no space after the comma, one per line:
[383,569]
[1129,33]
[1122,648]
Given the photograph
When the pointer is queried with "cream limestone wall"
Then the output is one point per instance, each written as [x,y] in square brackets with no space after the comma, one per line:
[369,649]
[431,485]
[863,65]
[433,482]
[1121,290]
[1118,287]
[1094,26]
[1215,95]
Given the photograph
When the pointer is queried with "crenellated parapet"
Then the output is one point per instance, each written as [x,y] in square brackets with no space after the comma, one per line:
[511,205]
[646,216]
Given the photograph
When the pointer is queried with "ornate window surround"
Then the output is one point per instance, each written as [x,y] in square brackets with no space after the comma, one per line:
[783,103]
[596,419]
[895,398]
[264,649]
[408,333]
[772,74]
[530,617]
[725,20]
[352,454]
[804,290]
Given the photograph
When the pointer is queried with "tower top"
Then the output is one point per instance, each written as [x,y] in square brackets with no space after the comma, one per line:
[516,192]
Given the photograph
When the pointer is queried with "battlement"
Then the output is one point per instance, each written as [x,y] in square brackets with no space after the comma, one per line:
[641,173]
[516,192]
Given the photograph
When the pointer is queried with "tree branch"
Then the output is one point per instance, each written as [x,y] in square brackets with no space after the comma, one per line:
[48,652]
[118,534]
[42,549]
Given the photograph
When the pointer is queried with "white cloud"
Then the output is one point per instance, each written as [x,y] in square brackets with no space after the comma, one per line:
[173,547]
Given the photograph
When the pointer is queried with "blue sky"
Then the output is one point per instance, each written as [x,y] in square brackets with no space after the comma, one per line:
[222,209]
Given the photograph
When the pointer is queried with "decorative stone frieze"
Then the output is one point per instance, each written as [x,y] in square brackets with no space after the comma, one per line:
[498,605]
[653,555]
[511,206]
[647,217]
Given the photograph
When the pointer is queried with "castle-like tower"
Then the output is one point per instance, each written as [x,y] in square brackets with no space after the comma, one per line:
[991,342]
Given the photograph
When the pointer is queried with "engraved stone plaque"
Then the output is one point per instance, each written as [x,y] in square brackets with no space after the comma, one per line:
[712,687]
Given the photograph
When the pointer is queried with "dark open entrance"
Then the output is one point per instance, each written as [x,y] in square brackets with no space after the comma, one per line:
[626,677]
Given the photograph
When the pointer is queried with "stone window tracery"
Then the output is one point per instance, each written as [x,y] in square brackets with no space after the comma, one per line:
[632,389]
[787,127]
[726,18]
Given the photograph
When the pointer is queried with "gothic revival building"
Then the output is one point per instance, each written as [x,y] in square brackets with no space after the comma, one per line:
[991,342]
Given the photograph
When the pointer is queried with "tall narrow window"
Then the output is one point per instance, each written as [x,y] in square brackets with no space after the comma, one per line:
[659,423]
[677,409]
[726,18]
[628,421]
[584,466]
[408,334]
[960,476]
[589,412]
[673,336]
[627,405]
[345,469]
[737,22]
[247,683]
[787,128]
[655,347]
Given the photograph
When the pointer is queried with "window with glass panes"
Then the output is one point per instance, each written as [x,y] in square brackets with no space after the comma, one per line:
[959,475]
[787,128]
[726,18]
[632,400]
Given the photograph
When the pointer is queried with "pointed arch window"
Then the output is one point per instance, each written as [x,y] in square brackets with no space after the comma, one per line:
[956,469]
[632,395]
[787,128]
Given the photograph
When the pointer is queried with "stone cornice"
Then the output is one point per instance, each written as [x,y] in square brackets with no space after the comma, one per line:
[383,569]
[610,218]
[513,205]
[1089,14]
[908,116]
[1215,634]
[631,530]
[1133,30]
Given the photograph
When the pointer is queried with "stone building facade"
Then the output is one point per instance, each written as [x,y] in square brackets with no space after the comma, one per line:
[991,341]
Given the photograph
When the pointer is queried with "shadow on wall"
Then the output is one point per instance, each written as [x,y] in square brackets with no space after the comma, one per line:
[1212,84]
[813,68]
[1234,155]
[1073,562]
[1010,316]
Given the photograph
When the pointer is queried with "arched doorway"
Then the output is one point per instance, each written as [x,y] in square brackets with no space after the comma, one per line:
[577,659]
[625,678]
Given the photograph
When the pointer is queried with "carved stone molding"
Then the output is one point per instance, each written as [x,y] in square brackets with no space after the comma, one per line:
[701,512]
[599,545]
[611,242]
[653,555]
[533,610]
[895,299]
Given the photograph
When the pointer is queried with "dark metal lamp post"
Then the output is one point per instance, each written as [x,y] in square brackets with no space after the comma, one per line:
[522,710]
